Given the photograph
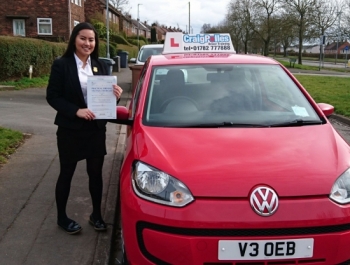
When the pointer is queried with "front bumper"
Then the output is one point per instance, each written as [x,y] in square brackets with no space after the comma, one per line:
[157,234]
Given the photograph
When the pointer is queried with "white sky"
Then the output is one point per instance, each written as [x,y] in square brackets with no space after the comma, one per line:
[178,13]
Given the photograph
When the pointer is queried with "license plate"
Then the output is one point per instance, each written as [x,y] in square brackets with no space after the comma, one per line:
[265,249]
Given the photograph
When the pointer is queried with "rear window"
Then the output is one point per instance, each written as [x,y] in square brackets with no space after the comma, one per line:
[185,95]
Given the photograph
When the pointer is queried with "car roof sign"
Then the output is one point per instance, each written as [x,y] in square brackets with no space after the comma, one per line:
[177,42]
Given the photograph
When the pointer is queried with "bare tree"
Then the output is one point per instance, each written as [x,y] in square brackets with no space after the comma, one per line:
[303,11]
[347,18]
[264,20]
[119,4]
[340,29]
[235,32]
[205,28]
[286,32]
[325,15]
[239,21]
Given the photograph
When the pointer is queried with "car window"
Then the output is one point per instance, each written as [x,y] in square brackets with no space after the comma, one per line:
[138,89]
[185,95]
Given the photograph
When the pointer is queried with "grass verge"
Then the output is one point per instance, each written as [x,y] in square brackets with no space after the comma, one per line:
[26,82]
[10,140]
[329,89]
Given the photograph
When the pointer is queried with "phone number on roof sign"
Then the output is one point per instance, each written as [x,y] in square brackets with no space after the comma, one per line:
[207,48]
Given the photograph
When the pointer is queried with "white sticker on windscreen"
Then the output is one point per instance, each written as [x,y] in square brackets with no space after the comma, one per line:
[300,111]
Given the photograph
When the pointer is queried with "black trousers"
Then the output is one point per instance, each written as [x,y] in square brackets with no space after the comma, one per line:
[94,170]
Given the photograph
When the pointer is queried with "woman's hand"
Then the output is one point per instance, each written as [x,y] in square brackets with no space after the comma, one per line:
[117,91]
[85,114]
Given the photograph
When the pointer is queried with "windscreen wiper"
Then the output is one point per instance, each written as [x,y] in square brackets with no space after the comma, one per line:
[297,122]
[223,125]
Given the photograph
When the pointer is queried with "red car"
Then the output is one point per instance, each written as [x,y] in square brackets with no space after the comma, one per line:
[235,165]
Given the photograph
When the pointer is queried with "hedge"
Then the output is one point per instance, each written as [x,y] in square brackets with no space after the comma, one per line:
[134,42]
[18,53]
[102,51]
[141,38]
[118,39]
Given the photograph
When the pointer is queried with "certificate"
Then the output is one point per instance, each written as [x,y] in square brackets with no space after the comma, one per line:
[100,98]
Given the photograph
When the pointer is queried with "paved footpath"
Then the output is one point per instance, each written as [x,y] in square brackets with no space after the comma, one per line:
[28,231]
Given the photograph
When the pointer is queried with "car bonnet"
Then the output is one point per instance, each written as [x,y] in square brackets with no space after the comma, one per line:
[230,162]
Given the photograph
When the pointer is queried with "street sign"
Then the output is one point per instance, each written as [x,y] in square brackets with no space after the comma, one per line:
[323,40]
[346,48]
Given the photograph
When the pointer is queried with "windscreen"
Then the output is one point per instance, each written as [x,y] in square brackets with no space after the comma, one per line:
[242,95]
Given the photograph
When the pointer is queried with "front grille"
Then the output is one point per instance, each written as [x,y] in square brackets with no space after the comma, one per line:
[240,233]
[244,232]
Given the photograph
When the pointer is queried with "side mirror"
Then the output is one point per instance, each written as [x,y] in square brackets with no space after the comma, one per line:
[133,60]
[327,109]
[122,116]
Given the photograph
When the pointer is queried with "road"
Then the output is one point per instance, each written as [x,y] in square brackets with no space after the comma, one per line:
[342,128]
[316,63]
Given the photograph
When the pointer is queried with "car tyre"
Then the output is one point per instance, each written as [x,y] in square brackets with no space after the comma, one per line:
[122,258]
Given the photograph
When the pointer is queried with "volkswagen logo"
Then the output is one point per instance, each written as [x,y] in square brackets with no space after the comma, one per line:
[264,201]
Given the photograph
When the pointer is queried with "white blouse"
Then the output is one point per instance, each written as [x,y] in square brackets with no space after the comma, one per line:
[83,74]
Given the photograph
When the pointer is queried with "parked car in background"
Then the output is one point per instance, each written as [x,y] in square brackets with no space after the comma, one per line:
[146,51]
[149,50]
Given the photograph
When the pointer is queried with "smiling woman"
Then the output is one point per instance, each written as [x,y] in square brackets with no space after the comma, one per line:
[10,140]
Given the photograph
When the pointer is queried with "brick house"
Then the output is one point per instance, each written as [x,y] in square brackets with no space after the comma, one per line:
[143,30]
[148,30]
[161,31]
[332,48]
[49,20]
[93,7]
[54,20]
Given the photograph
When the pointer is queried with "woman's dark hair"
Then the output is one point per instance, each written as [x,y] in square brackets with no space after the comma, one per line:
[71,44]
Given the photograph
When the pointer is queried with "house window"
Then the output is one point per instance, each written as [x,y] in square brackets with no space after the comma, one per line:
[77,2]
[76,23]
[18,27]
[45,26]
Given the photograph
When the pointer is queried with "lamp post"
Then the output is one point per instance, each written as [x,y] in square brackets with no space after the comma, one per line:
[107,26]
[336,52]
[189,20]
[138,26]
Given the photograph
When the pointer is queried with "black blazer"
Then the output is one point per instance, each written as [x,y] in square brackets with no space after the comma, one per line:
[64,92]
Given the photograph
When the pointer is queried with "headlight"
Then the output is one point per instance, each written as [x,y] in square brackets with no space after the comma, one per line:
[157,186]
[340,192]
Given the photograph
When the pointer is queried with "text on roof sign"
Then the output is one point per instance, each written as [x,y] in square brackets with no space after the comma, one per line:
[177,42]
[206,38]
